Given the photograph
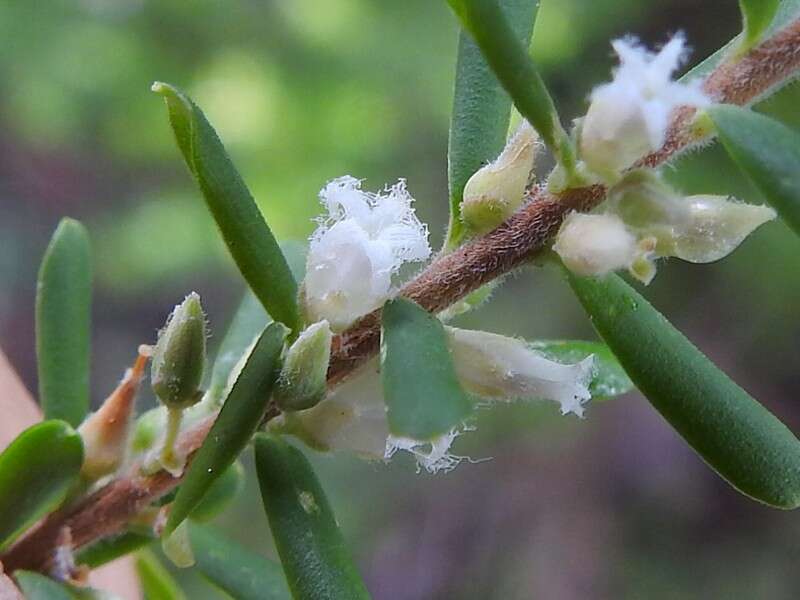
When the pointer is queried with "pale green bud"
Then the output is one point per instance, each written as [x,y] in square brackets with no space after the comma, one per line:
[496,190]
[716,226]
[180,354]
[595,244]
[302,382]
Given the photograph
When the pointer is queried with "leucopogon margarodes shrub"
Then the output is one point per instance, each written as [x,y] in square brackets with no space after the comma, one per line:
[332,348]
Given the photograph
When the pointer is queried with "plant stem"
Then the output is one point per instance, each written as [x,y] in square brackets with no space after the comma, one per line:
[448,279]
[170,459]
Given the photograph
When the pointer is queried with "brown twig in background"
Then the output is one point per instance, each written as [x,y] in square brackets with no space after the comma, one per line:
[445,281]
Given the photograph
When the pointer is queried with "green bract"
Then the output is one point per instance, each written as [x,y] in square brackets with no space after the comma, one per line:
[63,305]
[313,553]
[732,432]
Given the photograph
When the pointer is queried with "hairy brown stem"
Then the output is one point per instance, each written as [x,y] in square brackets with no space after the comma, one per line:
[445,281]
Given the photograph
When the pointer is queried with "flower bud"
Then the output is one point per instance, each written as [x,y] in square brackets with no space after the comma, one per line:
[716,226]
[496,190]
[179,356]
[595,244]
[302,381]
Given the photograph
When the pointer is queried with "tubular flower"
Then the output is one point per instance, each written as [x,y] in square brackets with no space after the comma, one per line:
[353,415]
[498,367]
[628,117]
[357,248]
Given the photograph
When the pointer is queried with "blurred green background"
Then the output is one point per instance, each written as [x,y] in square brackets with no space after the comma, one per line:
[301,91]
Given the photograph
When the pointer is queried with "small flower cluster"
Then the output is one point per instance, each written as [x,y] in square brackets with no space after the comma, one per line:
[357,248]
[361,243]
[644,218]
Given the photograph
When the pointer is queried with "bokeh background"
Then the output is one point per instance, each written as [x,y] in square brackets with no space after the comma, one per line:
[301,91]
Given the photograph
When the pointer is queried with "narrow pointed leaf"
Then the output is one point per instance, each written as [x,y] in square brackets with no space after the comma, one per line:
[423,396]
[732,432]
[37,471]
[157,583]
[768,153]
[248,322]
[481,110]
[609,378]
[757,15]
[63,306]
[36,586]
[220,494]
[111,548]
[241,573]
[510,62]
[235,424]
[243,228]
[312,551]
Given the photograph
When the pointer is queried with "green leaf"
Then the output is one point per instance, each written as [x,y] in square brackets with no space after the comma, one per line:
[249,320]
[235,424]
[423,396]
[220,494]
[63,306]
[237,571]
[609,378]
[767,152]
[481,109]
[37,471]
[36,586]
[157,583]
[734,434]
[312,550]
[757,15]
[510,62]
[243,228]
[111,548]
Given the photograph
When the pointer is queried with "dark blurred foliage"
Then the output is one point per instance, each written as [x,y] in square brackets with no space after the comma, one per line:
[301,91]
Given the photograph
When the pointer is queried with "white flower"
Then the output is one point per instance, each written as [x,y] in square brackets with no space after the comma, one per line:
[353,416]
[595,244]
[628,117]
[356,249]
[499,367]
